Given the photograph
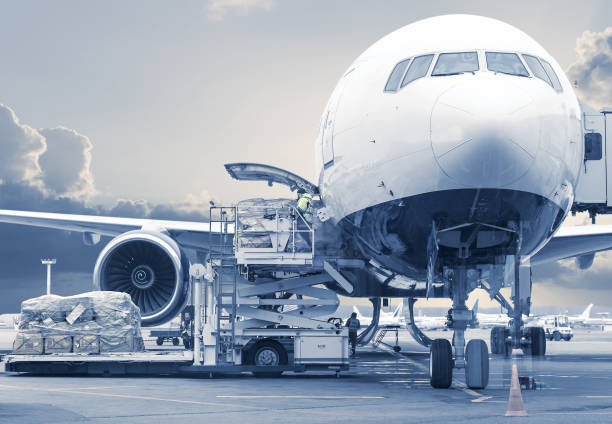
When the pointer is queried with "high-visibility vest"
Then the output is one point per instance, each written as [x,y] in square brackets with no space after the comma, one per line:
[353,324]
[304,204]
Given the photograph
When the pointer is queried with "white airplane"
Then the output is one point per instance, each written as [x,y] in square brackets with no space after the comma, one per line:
[386,320]
[580,319]
[448,157]
[586,320]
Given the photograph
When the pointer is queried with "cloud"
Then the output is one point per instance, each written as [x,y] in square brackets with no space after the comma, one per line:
[218,9]
[21,148]
[66,164]
[593,67]
[56,161]
[49,170]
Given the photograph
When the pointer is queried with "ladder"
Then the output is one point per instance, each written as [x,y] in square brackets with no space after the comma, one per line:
[223,262]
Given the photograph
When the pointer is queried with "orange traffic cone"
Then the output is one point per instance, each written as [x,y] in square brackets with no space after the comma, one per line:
[515,401]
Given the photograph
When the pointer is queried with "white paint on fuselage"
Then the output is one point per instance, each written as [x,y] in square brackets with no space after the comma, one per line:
[481,130]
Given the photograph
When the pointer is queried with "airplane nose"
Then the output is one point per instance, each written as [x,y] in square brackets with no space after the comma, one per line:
[484,132]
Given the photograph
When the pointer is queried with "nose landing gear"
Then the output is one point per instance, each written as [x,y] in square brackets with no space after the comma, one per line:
[474,360]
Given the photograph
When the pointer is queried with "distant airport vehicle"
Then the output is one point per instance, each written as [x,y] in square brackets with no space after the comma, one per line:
[557,328]
[448,156]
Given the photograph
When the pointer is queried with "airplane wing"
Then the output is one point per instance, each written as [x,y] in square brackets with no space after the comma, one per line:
[570,242]
[108,225]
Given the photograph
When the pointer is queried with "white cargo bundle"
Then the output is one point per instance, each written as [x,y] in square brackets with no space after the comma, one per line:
[94,322]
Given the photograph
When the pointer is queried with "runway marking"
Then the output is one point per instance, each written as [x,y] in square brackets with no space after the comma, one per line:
[157,399]
[598,397]
[296,397]
[481,399]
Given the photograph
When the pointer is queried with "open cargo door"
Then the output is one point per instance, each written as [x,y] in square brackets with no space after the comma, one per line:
[271,174]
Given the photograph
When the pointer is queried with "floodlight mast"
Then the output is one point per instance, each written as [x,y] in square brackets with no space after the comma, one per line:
[48,262]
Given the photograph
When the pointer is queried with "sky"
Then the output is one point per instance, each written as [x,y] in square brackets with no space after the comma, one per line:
[131,108]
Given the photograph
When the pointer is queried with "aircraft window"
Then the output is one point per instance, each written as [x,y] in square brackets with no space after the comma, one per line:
[552,75]
[418,68]
[536,68]
[506,63]
[396,75]
[455,64]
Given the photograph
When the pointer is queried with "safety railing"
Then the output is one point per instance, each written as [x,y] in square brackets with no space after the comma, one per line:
[273,228]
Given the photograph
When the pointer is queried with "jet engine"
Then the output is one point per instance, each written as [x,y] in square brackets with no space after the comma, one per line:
[149,266]
[585,261]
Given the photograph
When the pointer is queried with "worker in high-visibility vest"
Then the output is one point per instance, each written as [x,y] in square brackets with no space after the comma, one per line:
[353,325]
[304,204]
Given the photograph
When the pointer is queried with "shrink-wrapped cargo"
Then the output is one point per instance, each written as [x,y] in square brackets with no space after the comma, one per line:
[104,321]
[58,344]
[27,343]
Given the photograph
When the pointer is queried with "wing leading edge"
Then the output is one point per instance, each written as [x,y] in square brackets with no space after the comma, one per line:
[103,225]
[570,242]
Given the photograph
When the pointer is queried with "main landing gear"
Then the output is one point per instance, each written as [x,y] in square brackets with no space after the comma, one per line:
[474,358]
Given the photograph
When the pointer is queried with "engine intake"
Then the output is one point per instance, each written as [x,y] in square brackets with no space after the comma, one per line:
[151,268]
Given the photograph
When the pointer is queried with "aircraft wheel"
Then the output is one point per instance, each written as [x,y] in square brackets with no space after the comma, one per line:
[440,364]
[498,340]
[538,341]
[477,364]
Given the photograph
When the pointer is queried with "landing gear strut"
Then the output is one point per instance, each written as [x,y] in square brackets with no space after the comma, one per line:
[532,340]
[475,359]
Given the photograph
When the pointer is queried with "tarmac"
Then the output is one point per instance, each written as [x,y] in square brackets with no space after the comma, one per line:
[574,384]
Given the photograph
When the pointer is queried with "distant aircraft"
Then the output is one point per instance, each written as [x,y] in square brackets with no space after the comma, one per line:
[603,319]
[582,319]
[393,319]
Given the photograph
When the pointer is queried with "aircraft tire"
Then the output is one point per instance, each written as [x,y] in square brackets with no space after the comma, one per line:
[538,341]
[440,364]
[476,364]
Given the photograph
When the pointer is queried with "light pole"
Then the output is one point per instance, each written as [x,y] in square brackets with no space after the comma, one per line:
[48,262]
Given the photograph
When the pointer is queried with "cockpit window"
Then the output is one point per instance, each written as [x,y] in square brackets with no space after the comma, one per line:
[506,63]
[418,68]
[536,68]
[552,75]
[455,63]
[396,75]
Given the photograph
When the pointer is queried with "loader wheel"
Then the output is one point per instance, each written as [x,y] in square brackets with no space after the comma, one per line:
[267,353]
[159,341]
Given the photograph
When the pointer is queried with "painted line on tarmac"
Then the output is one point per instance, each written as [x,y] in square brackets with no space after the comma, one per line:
[114,395]
[598,397]
[295,397]
[481,399]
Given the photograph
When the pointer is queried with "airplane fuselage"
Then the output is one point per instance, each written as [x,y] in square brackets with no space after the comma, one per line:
[482,149]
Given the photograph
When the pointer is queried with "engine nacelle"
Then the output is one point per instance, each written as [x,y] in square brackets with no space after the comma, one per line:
[585,261]
[150,267]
